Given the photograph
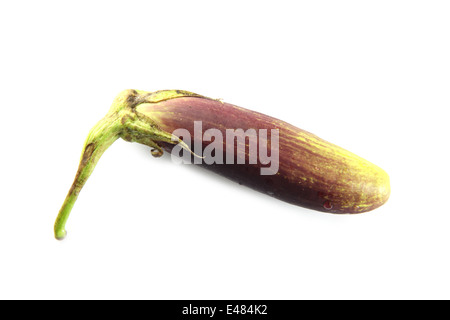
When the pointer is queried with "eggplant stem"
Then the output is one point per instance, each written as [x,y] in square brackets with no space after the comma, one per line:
[104,133]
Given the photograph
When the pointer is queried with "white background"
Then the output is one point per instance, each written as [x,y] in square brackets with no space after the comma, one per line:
[370,76]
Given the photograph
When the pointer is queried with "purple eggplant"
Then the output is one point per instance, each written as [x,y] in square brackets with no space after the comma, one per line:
[253,149]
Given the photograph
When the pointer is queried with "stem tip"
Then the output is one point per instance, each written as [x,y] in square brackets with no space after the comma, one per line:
[60,234]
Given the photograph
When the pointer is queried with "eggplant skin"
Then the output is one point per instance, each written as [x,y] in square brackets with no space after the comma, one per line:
[312,172]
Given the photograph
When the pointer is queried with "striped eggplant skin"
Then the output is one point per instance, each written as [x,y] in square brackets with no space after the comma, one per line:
[312,172]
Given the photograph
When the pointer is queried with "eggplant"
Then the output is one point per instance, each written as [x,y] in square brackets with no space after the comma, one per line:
[253,149]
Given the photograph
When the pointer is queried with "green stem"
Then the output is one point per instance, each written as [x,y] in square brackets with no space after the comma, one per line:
[104,133]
